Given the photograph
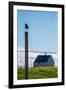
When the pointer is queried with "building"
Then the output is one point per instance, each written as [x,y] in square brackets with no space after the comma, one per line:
[44,60]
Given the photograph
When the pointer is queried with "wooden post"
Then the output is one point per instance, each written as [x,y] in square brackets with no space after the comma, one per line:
[26,55]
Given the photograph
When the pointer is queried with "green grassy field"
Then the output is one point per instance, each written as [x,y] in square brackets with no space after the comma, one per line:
[38,72]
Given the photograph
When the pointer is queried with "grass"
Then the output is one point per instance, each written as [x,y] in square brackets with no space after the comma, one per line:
[38,72]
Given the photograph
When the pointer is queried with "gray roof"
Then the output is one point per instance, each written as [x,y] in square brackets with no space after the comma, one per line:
[42,58]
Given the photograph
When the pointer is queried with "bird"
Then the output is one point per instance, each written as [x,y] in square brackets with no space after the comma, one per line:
[26,26]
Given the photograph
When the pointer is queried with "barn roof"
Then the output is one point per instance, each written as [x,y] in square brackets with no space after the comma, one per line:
[42,58]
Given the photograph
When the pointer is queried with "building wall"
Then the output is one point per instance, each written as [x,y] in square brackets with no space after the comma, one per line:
[40,64]
[50,62]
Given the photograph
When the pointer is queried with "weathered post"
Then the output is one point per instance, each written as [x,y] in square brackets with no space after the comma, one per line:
[26,51]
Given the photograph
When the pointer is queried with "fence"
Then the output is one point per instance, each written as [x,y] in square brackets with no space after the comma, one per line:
[32,56]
